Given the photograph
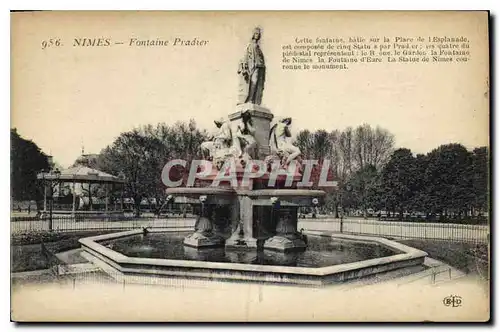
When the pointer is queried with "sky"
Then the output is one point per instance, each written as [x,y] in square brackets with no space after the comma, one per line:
[66,97]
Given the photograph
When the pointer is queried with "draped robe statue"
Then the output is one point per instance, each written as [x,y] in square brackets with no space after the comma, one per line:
[252,72]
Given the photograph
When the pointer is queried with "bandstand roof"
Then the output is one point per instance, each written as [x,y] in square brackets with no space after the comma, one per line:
[81,174]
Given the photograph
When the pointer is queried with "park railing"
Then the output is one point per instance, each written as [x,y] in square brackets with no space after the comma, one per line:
[391,229]
[92,223]
[402,229]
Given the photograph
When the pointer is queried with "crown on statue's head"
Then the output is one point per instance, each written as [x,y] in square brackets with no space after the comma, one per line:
[258,30]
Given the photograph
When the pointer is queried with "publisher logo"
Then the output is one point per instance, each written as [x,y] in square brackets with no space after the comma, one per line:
[452,301]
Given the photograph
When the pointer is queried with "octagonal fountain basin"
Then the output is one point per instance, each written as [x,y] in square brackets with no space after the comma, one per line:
[160,257]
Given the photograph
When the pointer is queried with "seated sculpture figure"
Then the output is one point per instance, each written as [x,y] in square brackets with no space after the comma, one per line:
[220,140]
[279,136]
[225,144]
[245,132]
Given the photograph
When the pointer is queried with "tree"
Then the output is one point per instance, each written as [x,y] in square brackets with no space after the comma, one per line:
[130,155]
[480,177]
[179,141]
[449,180]
[320,173]
[364,185]
[346,151]
[141,154]
[304,142]
[399,181]
[371,146]
[420,201]
[26,161]
[320,146]
[349,152]
[89,160]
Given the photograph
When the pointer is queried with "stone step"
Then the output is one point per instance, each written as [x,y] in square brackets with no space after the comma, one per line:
[76,268]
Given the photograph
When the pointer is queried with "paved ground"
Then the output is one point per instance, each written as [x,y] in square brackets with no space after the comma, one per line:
[82,300]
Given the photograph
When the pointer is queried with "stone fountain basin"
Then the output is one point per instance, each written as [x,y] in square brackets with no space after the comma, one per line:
[154,271]
[217,195]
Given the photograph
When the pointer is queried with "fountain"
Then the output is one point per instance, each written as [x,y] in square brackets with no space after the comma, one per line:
[247,190]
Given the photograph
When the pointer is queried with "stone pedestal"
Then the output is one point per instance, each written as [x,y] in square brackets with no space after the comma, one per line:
[281,257]
[204,235]
[205,254]
[263,221]
[237,241]
[261,118]
[199,240]
[242,256]
[282,243]
[287,238]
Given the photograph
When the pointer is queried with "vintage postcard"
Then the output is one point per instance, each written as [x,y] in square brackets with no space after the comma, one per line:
[260,166]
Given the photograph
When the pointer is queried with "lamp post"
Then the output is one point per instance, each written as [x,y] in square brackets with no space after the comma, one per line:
[275,203]
[122,177]
[169,199]
[49,179]
[347,188]
[315,203]
[342,211]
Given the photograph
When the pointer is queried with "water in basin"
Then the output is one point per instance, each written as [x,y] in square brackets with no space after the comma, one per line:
[321,251]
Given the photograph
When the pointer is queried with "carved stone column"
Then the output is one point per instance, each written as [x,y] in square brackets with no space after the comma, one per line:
[287,238]
[243,236]
[264,222]
[221,220]
[204,235]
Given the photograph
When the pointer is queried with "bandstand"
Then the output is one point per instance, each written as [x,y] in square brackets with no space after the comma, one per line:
[81,191]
